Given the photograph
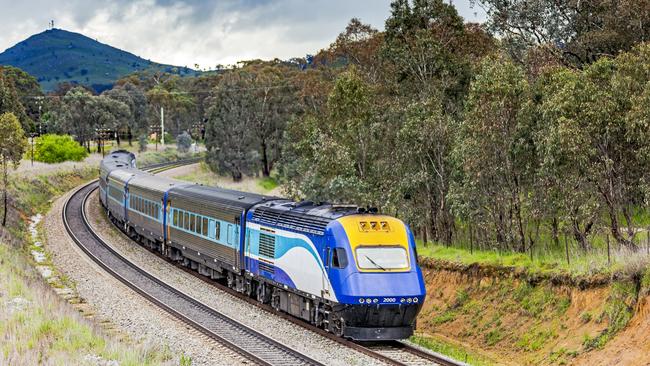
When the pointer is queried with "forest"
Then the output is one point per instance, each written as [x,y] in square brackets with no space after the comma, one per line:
[525,132]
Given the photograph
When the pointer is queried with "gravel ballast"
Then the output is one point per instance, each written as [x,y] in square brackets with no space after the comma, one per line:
[315,346]
[128,312]
[116,306]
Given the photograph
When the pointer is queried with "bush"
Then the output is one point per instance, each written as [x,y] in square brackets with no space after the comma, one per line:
[58,148]
[183,142]
[142,143]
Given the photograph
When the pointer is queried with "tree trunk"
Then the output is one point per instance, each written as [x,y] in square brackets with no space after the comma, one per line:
[555,230]
[581,235]
[628,218]
[265,161]
[236,175]
[4,192]
[614,224]
[129,135]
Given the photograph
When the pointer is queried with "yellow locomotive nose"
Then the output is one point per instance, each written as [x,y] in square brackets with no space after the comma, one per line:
[378,243]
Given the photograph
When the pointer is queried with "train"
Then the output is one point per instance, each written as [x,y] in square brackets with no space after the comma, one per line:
[348,270]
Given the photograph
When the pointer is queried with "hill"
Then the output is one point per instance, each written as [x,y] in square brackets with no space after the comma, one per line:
[56,56]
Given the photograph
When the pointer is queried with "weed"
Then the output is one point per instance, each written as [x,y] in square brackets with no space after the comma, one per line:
[585,317]
[535,339]
[618,312]
[445,317]
[493,337]
[453,351]
[185,360]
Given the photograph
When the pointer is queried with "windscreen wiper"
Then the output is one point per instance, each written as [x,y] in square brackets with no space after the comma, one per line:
[375,263]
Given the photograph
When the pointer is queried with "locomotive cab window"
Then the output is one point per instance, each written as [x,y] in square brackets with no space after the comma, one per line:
[339,258]
[382,258]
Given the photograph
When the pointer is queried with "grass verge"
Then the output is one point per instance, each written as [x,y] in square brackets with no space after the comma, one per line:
[454,351]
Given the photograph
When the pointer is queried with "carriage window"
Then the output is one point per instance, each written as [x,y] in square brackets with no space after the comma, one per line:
[180,219]
[211,229]
[204,228]
[157,213]
[175,217]
[217,232]
[229,234]
[186,222]
[197,229]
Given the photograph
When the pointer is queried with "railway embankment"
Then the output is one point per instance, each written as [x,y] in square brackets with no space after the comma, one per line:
[516,316]
[42,321]
[43,318]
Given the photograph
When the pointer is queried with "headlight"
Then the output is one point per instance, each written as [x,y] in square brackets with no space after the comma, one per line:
[409,300]
[361,300]
[375,301]
[402,300]
[368,300]
[415,300]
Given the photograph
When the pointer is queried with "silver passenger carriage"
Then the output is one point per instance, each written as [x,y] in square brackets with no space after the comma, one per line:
[146,203]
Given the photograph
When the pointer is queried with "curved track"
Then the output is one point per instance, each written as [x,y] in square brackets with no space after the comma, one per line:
[199,315]
[243,340]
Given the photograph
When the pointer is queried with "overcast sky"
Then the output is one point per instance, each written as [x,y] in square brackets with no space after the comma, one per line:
[204,32]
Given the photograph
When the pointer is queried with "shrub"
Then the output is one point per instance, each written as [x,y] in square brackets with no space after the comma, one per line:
[183,142]
[58,148]
[142,143]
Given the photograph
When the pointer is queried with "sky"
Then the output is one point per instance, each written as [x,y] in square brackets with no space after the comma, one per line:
[203,32]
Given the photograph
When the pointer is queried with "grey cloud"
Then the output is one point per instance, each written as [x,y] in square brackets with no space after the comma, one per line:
[207,32]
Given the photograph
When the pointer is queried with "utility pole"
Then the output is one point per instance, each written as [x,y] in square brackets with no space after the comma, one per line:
[32,135]
[162,127]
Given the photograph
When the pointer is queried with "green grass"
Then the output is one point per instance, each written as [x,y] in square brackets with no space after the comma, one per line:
[268,183]
[535,339]
[453,351]
[546,262]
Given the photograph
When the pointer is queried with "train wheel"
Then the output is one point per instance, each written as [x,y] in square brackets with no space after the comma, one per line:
[275,299]
[263,294]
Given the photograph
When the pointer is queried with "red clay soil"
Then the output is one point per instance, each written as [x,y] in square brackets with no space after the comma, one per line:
[630,347]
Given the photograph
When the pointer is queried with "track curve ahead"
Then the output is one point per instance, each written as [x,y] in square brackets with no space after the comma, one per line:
[243,340]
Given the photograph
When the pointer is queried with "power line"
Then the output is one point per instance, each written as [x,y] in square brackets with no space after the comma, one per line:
[193,92]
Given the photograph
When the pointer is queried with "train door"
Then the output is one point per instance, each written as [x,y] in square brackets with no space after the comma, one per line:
[327,254]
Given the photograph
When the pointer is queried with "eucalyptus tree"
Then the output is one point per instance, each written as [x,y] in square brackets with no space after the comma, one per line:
[136,100]
[10,99]
[495,152]
[576,32]
[12,148]
[230,137]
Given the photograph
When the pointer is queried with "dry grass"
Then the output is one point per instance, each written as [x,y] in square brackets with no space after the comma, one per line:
[38,328]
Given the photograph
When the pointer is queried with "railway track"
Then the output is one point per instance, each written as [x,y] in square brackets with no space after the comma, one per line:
[241,339]
[391,353]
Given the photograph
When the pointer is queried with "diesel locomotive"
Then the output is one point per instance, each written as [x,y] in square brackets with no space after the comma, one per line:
[351,272]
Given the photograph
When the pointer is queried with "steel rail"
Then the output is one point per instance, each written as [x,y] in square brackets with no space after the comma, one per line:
[241,339]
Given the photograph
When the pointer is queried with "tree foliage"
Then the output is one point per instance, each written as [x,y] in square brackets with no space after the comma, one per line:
[12,147]
[577,32]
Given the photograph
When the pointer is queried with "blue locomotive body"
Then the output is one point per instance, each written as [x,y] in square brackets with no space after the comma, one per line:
[352,273]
